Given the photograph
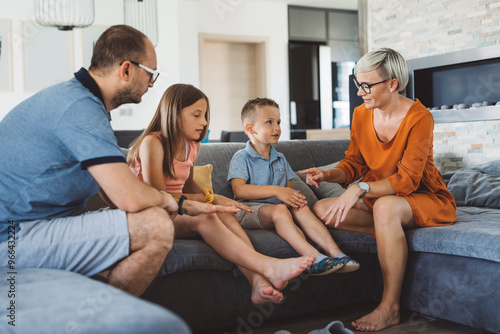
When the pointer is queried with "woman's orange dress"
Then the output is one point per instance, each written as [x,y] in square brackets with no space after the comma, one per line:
[406,161]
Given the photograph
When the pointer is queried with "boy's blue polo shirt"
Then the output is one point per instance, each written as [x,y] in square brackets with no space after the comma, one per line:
[250,166]
[47,143]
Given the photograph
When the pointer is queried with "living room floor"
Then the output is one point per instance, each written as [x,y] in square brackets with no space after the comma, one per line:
[411,322]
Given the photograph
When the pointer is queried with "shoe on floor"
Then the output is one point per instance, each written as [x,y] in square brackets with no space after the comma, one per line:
[326,266]
[349,265]
[334,327]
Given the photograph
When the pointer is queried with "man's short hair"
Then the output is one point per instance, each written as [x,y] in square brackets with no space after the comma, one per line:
[249,109]
[117,44]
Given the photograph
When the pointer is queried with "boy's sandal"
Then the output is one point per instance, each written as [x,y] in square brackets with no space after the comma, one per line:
[326,266]
[349,265]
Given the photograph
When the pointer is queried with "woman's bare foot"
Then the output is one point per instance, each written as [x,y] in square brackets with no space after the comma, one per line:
[280,271]
[263,291]
[380,318]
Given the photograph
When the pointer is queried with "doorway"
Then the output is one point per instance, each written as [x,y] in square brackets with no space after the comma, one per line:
[232,71]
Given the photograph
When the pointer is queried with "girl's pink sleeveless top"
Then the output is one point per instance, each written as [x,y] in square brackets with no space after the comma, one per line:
[182,168]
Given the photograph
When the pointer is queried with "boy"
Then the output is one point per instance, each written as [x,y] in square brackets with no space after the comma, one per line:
[261,175]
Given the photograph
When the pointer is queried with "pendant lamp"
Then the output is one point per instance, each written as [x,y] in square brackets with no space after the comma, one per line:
[143,15]
[64,14]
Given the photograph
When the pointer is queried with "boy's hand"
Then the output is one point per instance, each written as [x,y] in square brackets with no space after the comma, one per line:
[314,176]
[223,200]
[291,197]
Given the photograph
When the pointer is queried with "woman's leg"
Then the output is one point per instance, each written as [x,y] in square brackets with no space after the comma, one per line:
[359,219]
[232,248]
[391,215]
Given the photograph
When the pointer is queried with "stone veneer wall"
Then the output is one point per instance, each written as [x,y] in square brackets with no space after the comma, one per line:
[420,28]
[461,144]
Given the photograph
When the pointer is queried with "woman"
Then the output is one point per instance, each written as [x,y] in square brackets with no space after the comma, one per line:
[400,188]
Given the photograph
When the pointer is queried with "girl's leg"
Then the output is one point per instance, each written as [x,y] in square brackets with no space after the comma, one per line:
[391,215]
[279,217]
[262,290]
[232,248]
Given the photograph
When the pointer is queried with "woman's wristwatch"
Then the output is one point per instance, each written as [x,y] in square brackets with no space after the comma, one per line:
[365,188]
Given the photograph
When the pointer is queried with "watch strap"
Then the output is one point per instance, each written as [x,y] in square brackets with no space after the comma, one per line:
[181,200]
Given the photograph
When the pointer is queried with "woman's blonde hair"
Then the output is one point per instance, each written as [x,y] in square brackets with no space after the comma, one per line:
[168,121]
[389,63]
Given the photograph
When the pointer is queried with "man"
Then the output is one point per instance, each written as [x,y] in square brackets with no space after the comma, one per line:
[58,149]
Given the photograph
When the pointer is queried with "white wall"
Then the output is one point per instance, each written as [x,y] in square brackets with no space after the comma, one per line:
[180,22]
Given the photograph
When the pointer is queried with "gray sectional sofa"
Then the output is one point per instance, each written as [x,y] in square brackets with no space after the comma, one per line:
[453,272]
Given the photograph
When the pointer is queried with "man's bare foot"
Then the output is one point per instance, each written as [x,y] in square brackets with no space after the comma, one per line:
[380,318]
[263,291]
[280,271]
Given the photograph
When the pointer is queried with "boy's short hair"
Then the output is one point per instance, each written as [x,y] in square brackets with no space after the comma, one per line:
[249,109]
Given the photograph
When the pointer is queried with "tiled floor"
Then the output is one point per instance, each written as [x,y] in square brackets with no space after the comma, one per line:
[411,323]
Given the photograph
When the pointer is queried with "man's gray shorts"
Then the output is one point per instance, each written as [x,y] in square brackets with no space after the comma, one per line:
[250,220]
[86,244]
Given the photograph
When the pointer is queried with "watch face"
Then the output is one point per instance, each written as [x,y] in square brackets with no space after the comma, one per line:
[364,186]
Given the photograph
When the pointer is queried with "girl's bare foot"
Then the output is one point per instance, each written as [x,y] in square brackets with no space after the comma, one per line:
[280,271]
[380,318]
[263,291]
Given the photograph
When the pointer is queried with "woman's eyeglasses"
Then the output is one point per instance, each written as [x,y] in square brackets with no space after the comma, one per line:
[367,88]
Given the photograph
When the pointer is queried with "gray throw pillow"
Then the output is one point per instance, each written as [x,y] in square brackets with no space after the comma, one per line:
[477,185]
[304,189]
[326,189]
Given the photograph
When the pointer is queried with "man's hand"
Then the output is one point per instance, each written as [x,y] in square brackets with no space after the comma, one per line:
[314,176]
[291,197]
[169,204]
[223,200]
[195,208]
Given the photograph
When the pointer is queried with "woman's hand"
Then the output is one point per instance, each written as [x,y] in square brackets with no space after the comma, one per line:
[223,200]
[291,197]
[314,176]
[341,206]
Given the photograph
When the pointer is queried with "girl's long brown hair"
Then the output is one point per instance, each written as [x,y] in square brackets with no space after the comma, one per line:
[168,121]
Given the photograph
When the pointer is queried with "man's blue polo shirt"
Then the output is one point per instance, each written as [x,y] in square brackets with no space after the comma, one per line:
[47,143]
[250,166]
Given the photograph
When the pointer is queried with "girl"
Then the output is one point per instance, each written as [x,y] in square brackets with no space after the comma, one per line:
[164,156]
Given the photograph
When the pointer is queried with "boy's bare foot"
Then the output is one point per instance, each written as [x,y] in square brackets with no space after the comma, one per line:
[280,271]
[380,318]
[263,291]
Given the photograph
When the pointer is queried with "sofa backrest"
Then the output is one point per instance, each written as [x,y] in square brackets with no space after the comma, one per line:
[301,154]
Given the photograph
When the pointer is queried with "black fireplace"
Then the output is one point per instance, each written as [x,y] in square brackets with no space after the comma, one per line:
[459,86]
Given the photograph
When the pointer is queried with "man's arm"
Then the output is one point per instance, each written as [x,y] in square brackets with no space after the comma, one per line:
[127,192]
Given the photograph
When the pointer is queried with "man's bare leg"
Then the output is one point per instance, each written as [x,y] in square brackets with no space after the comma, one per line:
[151,237]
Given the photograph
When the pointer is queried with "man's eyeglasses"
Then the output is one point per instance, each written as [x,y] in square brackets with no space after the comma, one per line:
[367,88]
[153,73]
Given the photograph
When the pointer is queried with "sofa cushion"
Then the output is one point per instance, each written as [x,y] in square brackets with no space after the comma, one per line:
[477,185]
[195,254]
[475,234]
[56,301]
[325,189]
[304,189]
